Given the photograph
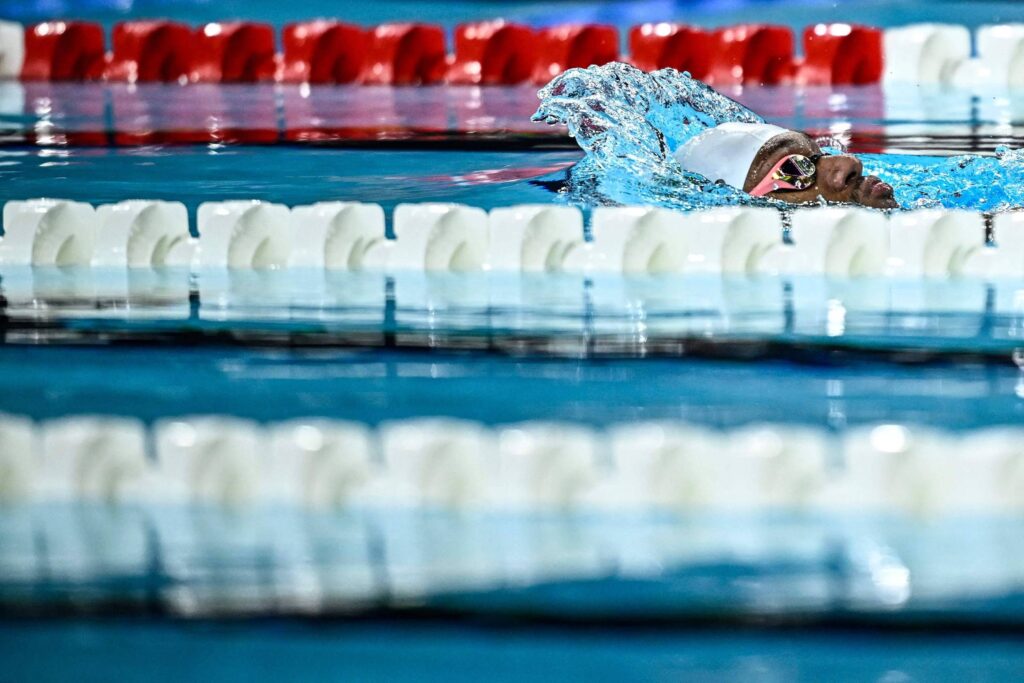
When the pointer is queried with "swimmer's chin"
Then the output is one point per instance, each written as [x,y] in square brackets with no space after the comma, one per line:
[884,203]
[888,206]
[876,194]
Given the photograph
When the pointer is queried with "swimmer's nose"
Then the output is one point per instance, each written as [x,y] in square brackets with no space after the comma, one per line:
[839,172]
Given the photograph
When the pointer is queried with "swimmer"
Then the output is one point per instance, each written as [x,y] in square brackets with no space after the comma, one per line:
[768,161]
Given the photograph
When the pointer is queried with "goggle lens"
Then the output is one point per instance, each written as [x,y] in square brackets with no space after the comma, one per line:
[798,167]
[794,172]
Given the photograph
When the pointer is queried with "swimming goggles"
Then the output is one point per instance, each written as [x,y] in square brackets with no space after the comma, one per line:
[792,172]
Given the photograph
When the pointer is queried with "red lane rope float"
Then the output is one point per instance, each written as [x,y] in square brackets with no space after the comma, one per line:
[493,53]
[150,52]
[405,54]
[574,45]
[752,53]
[63,51]
[490,52]
[842,54]
[234,52]
[686,48]
[322,52]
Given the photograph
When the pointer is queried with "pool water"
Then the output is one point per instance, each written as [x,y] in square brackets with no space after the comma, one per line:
[288,174]
[373,385]
[468,652]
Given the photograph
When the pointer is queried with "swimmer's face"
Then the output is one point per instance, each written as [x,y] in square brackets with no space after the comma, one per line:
[840,177]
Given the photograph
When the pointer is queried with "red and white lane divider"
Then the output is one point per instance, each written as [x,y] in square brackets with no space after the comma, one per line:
[247,235]
[499,52]
[456,464]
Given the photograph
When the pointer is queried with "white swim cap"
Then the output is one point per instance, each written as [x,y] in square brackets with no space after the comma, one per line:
[726,151]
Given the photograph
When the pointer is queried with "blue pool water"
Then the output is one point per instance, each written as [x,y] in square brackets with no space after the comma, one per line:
[287,174]
[446,652]
[372,386]
[471,145]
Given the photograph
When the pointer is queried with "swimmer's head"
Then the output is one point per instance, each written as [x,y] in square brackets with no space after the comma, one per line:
[783,164]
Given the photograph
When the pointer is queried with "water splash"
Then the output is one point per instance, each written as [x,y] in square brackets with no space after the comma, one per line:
[629,122]
[981,183]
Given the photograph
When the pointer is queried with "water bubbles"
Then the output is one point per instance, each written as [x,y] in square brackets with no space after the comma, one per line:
[961,182]
[629,123]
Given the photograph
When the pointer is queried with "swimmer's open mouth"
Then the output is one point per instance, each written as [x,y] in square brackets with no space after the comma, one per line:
[873,187]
